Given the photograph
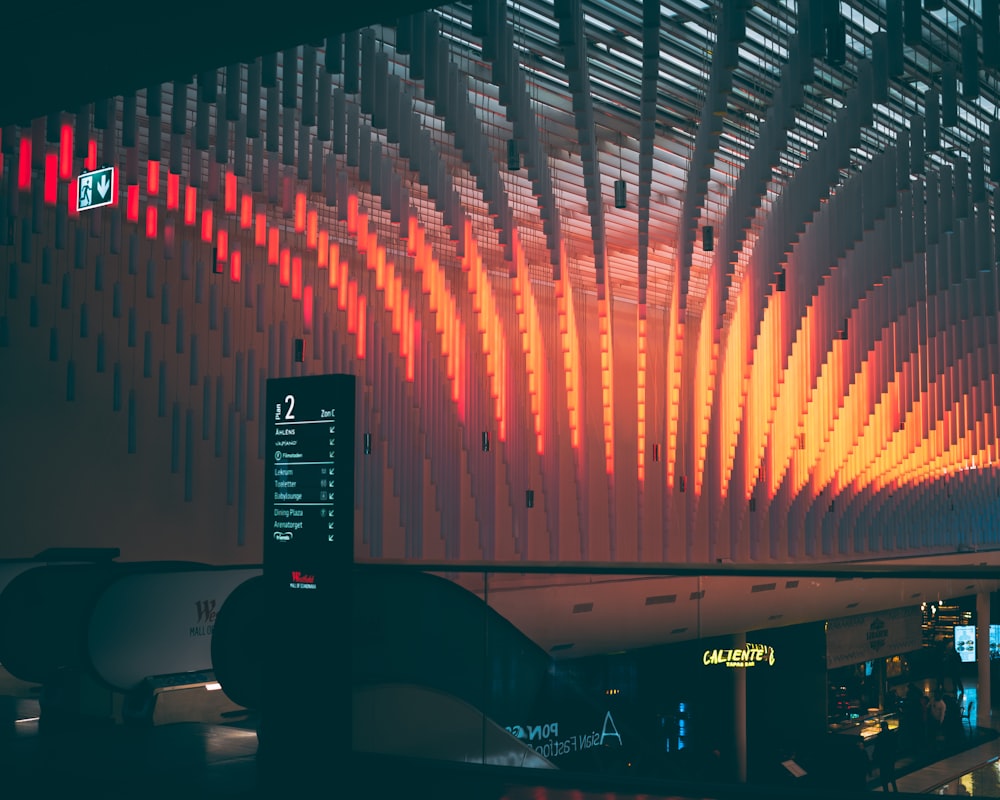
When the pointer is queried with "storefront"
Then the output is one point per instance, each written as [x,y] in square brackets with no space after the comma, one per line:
[865,655]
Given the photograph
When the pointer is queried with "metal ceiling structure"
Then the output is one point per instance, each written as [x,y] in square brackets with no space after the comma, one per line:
[757,238]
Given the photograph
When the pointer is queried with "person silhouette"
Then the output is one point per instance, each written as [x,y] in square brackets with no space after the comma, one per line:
[884,756]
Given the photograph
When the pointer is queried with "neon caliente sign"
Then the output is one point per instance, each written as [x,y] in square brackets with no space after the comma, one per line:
[749,656]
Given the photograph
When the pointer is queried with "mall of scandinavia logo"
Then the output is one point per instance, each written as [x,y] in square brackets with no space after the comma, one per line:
[205,619]
[302,580]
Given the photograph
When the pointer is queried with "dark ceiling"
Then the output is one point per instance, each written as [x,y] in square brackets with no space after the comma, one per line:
[57,57]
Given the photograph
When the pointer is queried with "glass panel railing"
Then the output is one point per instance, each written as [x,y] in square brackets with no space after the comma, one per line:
[724,675]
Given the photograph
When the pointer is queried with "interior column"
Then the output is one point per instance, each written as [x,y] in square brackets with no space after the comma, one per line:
[983,702]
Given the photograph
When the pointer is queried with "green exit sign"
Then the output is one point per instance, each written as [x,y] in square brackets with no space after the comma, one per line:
[96,189]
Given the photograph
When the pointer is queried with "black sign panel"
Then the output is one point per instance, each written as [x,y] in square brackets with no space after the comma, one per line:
[305,725]
[309,482]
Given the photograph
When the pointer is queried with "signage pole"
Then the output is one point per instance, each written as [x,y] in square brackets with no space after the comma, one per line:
[983,699]
[740,711]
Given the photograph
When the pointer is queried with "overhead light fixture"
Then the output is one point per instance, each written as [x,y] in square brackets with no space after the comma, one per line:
[621,190]
[513,156]
[621,194]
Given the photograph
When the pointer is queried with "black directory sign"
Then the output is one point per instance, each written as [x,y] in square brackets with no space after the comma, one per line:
[309,482]
[308,554]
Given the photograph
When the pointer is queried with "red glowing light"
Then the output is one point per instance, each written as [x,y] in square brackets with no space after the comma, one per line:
[132,203]
[246,212]
[296,277]
[230,193]
[151,223]
[312,229]
[51,190]
[342,287]
[380,269]
[352,214]
[91,162]
[300,212]
[24,163]
[206,224]
[260,229]
[190,205]
[66,152]
[173,191]
[222,246]
[273,248]
[352,307]
[322,250]
[153,177]
[363,234]
[235,266]
[404,325]
[285,267]
[361,345]
[307,308]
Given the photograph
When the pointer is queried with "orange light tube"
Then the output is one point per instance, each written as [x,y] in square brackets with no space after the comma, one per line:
[300,212]
[352,307]
[323,250]
[312,229]
[379,269]
[273,247]
[296,277]
[285,267]
[308,307]
[342,288]
[246,212]
[260,229]
[352,214]
[361,341]
[364,234]
[222,246]
[404,333]
[235,266]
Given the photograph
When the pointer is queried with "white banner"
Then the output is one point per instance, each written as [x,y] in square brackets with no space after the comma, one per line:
[851,640]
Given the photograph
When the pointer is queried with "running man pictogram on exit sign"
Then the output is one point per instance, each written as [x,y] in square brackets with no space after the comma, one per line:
[96,189]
